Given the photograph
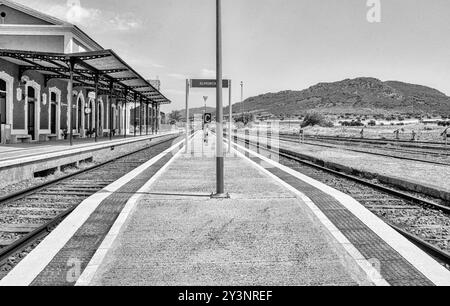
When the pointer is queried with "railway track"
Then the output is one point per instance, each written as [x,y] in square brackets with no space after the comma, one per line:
[424,222]
[437,158]
[383,142]
[29,215]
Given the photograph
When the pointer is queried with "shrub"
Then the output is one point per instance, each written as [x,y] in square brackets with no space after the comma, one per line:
[312,119]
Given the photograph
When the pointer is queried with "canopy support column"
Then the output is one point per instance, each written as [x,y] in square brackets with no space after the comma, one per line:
[157,119]
[140,116]
[125,115]
[146,118]
[96,103]
[152,118]
[111,88]
[134,121]
[71,64]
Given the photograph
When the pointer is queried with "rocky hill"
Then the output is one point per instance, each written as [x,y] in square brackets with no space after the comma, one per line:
[352,96]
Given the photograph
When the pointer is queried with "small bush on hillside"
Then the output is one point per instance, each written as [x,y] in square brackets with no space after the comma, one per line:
[313,119]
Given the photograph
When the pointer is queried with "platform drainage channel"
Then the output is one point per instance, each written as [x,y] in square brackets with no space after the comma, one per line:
[45,173]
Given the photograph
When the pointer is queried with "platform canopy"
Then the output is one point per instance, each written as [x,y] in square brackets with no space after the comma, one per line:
[104,68]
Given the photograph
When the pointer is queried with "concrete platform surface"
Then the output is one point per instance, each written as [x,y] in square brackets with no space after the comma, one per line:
[12,153]
[263,235]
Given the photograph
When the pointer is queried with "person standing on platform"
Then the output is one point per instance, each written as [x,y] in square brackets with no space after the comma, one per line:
[397,134]
[446,135]
[413,136]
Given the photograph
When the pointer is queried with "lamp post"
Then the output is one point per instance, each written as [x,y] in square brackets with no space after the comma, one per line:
[242,99]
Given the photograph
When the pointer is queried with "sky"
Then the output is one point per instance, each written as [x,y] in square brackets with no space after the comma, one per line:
[270,45]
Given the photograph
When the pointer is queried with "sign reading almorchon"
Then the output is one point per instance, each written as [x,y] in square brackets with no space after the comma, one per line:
[200,83]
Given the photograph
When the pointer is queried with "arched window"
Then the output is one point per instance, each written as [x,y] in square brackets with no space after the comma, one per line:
[2,102]
[2,86]
[53,119]
[31,120]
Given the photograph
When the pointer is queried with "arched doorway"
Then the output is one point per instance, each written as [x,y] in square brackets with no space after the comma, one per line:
[53,113]
[2,102]
[100,119]
[91,116]
[31,107]
[79,115]
[120,116]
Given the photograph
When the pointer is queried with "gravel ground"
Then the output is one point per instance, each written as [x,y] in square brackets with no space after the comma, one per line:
[428,174]
[429,224]
[6,189]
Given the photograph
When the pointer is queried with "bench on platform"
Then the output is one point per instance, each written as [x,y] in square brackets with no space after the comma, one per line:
[47,137]
[20,138]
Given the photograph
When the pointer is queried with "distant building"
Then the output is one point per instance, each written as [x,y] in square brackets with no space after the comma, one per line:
[264,116]
[156,84]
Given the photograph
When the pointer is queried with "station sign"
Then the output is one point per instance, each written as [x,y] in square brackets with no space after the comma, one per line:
[207,118]
[204,83]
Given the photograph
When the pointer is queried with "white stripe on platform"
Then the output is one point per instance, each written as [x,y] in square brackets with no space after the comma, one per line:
[371,274]
[33,264]
[99,256]
[424,263]
[77,149]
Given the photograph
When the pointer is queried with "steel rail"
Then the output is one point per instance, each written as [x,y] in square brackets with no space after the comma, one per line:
[373,153]
[33,236]
[427,247]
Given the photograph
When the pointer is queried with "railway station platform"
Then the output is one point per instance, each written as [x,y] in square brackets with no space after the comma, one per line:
[278,227]
[415,176]
[20,162]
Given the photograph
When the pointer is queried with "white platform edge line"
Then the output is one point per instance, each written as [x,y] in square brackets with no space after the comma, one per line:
[91,269]
[370,272]
[35,262]
[424,263]
[78,149]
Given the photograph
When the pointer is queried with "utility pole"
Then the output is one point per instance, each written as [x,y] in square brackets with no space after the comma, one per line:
[220,192]
[188,85]
[242,99]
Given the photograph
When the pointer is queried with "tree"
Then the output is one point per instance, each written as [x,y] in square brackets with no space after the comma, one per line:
[313,118]
[244,118]
[174,117]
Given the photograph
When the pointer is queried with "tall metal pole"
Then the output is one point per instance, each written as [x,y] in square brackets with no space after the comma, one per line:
[219,106]
[69,103]
[187,115]
[230,111]
[242,99]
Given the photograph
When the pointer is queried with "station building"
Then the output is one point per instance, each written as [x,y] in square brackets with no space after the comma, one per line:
[47,64]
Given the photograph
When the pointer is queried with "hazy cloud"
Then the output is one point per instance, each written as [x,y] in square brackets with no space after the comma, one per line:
[74,12]
[208,73]
[177,76]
